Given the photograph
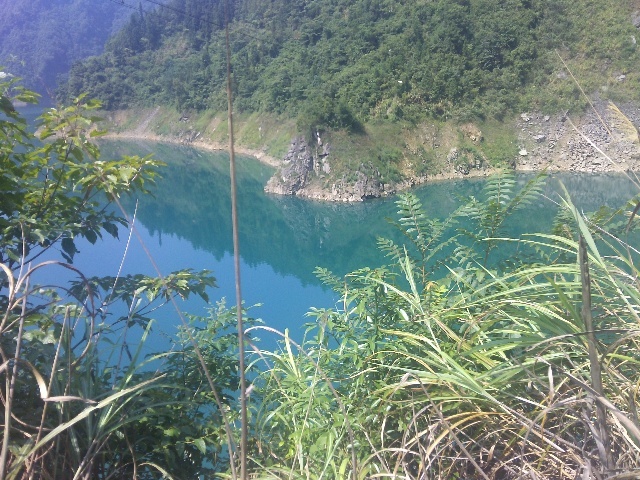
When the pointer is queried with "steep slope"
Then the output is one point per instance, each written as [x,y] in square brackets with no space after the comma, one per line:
[342,62]
[40,39]
[396,84]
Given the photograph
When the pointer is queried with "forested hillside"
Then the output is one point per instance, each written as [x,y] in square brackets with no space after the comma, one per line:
[40,39]
[342,62]
[383,93]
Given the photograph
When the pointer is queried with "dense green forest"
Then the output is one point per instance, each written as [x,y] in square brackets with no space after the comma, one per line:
[40,39]
[339,63]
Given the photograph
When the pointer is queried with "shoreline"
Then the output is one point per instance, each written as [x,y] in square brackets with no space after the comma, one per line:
[271,161]
[551,143]
[200,144]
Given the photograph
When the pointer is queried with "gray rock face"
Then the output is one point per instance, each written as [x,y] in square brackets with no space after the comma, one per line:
[305,167]
[297,166]
[600,141]
[365,186]
[463,162]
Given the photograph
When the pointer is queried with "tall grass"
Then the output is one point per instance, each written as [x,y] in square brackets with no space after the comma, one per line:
[444,364]
[61,405]
[521,372]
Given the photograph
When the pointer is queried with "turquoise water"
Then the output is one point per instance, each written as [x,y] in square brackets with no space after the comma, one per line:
[188,224]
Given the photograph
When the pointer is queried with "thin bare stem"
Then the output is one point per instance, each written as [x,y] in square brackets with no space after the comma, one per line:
[236,261]
[11,384]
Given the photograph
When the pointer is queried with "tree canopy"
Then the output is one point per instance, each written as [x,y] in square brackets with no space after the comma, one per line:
[337,63]
[40,39]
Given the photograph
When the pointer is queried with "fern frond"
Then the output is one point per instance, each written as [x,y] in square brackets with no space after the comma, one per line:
[328,278]
[464,255]
[391,249]
[412,218]
[499,188]
[423,232]
[501,198]
[527,194]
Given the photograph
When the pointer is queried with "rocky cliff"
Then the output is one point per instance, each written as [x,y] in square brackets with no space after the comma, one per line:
[306,170]
[605,139]
[297,167]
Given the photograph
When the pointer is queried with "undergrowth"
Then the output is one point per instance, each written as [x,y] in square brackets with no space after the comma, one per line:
[453,365]
[455,361]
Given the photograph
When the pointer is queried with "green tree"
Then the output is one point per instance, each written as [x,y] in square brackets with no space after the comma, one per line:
[54,192]
[77,400]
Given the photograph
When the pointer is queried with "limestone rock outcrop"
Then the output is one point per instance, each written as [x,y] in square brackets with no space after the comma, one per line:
[604,140]
[305,167]
[297,167]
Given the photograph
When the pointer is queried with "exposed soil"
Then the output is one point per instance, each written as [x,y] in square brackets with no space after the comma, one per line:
[605,139]
[143,131]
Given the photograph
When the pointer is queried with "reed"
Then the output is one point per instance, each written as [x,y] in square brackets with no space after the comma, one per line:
[488,372]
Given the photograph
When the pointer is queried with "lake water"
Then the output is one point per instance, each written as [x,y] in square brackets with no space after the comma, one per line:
[187,224]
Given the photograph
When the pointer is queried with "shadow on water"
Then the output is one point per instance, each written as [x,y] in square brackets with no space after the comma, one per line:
[283,239]
[293,235]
